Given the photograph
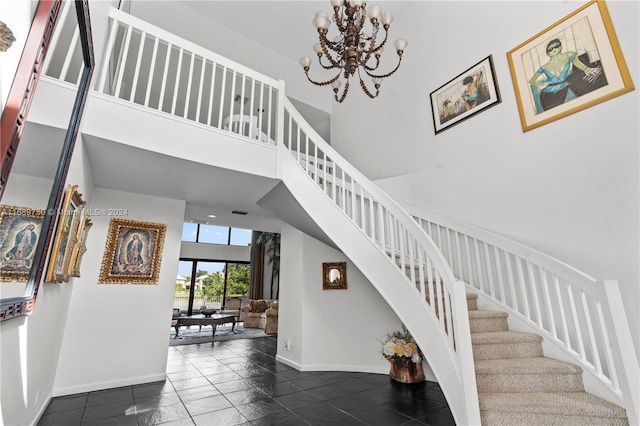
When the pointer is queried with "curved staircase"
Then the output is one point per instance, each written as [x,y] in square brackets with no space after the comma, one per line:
[518,385]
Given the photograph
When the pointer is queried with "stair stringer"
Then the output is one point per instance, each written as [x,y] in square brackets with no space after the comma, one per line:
[393,286]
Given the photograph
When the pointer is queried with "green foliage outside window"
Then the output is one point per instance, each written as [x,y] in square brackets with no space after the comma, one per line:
[237,281]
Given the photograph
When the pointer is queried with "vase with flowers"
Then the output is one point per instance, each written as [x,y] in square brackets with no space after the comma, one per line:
[404,355]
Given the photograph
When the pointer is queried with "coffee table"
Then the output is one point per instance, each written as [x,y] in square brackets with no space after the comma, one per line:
[201,320]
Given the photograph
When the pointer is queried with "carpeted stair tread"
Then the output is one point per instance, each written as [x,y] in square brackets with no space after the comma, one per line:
[483,314]
[535,365]
[538,374]
[503,337]
[580,404]
[505,344]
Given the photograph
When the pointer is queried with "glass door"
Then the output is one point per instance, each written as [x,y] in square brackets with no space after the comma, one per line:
[201,284]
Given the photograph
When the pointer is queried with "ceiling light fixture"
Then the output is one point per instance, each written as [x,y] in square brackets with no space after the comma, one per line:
[352,50]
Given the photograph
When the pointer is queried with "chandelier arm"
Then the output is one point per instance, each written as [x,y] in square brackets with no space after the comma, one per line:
[365,90]
[363,17]
[377,49]
[389,73]
[334,63]
[368,68]
[321,83]
[336,46]
[338,18]
[372,43]
[328,67]
[344,92]
[384,41]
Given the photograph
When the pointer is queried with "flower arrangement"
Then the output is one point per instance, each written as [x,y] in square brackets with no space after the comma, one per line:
[400,347]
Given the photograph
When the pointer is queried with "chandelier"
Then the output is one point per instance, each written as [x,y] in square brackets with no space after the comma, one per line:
[352,51]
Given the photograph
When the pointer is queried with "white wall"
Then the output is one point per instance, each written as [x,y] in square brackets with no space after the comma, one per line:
[117,334]
[569,188]
[328,330]
[30,346]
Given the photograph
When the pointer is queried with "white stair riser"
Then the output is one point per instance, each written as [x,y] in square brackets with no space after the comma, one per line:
[483,325]
[507,350]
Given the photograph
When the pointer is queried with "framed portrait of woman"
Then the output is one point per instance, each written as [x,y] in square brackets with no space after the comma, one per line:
[466,95]
[132,253]
[570,66]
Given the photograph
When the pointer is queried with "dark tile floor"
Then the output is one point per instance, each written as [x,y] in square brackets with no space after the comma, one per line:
[240,382]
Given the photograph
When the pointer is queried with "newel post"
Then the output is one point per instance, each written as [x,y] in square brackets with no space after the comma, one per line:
[280,127]
[624,354]
[464,351]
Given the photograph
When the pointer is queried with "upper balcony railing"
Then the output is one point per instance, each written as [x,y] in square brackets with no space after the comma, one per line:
[147,66]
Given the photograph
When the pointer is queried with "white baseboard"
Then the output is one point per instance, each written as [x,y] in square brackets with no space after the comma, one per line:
[288,362]
[90,387]
[41,410]
[428,374]
[345,368]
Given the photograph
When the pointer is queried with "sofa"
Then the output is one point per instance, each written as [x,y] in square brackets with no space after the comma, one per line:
[262,313]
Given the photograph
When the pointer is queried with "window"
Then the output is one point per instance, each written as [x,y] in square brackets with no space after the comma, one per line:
[190,232]
[214,234]
[240,237]
[207,283]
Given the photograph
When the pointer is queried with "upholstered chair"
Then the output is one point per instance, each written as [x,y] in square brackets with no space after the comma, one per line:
[253,313]
[232,307]
[271,324]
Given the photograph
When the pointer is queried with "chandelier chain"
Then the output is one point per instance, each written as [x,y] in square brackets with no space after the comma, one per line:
[344,92]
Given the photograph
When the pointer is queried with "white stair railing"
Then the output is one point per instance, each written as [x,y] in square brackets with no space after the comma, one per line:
[147,66]
[579,314]
[65,63]
[404,244]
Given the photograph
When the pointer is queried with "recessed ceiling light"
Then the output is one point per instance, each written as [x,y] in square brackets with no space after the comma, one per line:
[211,215]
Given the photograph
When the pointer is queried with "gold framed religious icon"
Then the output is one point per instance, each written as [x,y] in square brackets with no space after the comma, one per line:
[19,233]
[133,252]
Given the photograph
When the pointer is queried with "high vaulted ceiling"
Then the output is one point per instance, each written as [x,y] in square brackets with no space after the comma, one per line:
[284,26]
